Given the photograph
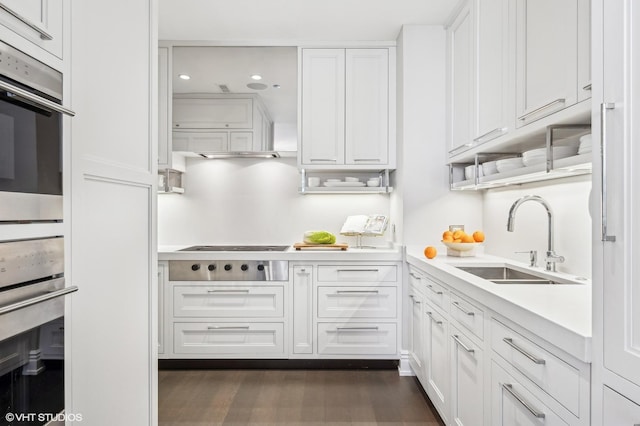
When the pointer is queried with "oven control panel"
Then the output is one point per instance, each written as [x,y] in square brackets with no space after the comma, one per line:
[228,270]
[28,260]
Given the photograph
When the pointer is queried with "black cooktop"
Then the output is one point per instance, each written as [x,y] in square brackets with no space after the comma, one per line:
[235,248]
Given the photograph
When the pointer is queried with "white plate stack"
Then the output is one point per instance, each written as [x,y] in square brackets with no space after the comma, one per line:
[470,172]
[509,164]
[585,144]
[538,156]
[489,168]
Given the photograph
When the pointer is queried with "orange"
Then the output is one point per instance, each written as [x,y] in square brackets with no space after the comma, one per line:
[430,252]
[448,239]
[447,234]
[457,240]
[478,236]
[467,239]
[458,233]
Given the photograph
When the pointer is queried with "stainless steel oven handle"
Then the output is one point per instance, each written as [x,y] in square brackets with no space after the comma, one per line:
[43,34]
[38,299]
[45,103]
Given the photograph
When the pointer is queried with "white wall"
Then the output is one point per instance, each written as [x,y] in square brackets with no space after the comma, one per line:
[251,201]
[569,200]
[423,199]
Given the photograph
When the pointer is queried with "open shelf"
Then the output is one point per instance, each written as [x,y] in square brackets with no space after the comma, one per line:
[362,175]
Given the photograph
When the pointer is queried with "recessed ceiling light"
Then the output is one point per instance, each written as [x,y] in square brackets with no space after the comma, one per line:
[184,76]
[256,77]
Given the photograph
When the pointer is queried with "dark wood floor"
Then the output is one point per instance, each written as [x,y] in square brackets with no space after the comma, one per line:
[293,397]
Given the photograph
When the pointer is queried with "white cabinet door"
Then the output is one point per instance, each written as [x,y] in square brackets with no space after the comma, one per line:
[584,49]
[323,107]
[416,345]
[467,402]
[492,75]
[546,57]
[212,113]
[436,359]
[460,36]
[367,106]
[302,309]
[240,141]
[200,142]
[618,410]
[621,281]
[40,22]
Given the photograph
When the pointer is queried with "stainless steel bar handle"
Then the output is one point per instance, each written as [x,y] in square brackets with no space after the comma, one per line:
[509,388]
[358,270]
[414,275]
[40,101]
[39,299]
[462,345]
[433,319]
[587,87]
[357,291]
[462,147]
[430,287]
[495,133]
[542,108]
[228,291]
[228,327]
[43,34]
[356,328]
[534,359]
[604,107]
[367,159]
[457,305]
[323,159]
[413,298]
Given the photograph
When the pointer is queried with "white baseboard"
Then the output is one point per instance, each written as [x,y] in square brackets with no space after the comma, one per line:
[404,369]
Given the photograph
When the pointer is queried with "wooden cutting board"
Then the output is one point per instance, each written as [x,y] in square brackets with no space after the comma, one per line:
[338,246]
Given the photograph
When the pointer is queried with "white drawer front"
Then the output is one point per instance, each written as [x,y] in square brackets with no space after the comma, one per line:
[514,404]
[619,410]
[358,273]
[357,302]
[356,339]
[556,377]
[437,294]
[229,338]
[228,302]
[468,315]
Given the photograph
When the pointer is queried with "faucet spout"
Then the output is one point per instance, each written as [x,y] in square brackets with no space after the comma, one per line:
[552,258]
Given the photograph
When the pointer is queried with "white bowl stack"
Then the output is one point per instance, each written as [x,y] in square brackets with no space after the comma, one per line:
[585,144]
[489,168]
[509,164]
[470,172]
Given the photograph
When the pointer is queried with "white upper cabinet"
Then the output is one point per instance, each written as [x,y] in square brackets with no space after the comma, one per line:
[460,38]
[346,108]
[584,49]
[492,115]
[367,106]
[38,22]
[212,112]
[546,57]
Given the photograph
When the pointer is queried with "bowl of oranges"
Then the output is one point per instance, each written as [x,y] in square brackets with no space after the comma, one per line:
[460,241]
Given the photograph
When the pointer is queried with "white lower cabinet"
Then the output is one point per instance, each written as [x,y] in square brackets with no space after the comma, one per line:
[479,368]
[302,321]
[515,404]
[357,338]
[436,359]
[466,380]
[618,410]
[228,302]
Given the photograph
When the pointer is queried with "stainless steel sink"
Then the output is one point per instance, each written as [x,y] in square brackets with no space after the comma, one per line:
[506,275]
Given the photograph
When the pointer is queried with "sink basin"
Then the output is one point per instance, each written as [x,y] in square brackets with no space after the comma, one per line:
[506,275]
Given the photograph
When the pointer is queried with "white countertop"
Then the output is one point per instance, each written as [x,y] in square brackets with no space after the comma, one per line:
[560,314]
[378,254]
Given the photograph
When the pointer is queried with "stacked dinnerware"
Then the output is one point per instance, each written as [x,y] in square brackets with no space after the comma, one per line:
[489,168]
[509,164]
[470,172]
[538,156]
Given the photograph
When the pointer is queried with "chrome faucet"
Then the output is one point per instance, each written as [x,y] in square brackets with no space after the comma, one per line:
[552,258]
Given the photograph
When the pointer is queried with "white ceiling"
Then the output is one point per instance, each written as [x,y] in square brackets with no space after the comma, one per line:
[296,20]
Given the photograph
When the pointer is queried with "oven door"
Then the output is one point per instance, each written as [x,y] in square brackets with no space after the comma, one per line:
[32,353]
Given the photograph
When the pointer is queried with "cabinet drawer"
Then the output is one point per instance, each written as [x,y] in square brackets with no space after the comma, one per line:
[357,339]
[618,410]
[514,404]
[227,302]
[357,302]
[553,375]
[229,338]
[468,315]
[358,273]
[437,294]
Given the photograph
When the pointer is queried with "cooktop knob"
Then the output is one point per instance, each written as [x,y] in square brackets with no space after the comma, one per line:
[227,267]
[260,267]
[244,267]
[195,267]
[212,267]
